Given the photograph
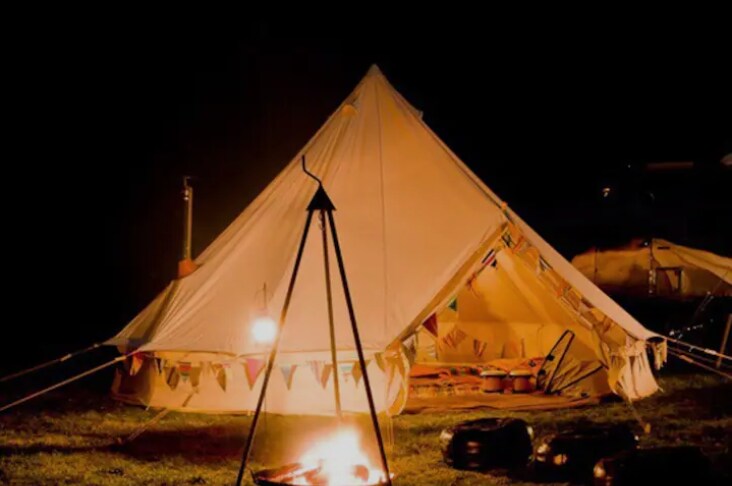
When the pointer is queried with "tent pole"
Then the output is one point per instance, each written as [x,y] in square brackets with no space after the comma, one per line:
[723,347]
[329,294]
[359,348]
[273,352]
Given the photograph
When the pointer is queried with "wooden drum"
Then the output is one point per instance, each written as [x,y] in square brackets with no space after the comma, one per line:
[492,380]
[520,380]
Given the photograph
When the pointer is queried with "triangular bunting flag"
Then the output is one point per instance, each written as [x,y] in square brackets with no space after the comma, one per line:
[288,371]
[196,375]
[325,374]
[184,368]
[318,369]
[379,357]
[409,352]
[431,325]
[489,258]
[172,377]
[159,365]
[135,363]
[453,304]
[346,370]
[479,347]
[219,372]
[543,265]
[454,337]
[357,372]
[252,368]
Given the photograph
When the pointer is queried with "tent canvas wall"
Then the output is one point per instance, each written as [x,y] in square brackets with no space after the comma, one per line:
[414,225]
[657,267]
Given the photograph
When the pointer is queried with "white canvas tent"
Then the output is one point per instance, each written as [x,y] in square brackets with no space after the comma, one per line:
[657,267]
[414,225]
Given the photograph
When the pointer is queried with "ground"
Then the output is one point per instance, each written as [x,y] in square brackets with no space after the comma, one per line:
[70,437]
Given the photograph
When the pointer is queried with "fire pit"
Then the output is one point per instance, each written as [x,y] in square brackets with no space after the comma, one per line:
[299,474]
[337,461]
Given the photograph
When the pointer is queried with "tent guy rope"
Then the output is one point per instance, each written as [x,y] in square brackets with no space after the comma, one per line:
[64,382]
[46,364]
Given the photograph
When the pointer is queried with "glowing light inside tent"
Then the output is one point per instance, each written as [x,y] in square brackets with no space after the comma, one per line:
[339,459]
[264,330]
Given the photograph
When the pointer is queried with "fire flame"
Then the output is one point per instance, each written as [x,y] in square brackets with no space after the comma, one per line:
[341,461]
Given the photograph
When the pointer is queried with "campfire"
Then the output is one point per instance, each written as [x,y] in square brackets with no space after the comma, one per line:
[335,461]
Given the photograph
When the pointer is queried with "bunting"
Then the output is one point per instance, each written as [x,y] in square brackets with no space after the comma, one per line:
[252,368]
[431,324]
[479,347]
[357,372]
[172,377]
[316,368]
[489,258]
[452,305]
[409,351]
[196,375]
[135,363]
[454,337]
[325,375]
[288,372]
[346,370]
[379,357]
[184,369]
[159,365]
[222,373]
[543,265]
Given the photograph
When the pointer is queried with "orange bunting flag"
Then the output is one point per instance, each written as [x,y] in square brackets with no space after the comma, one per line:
[196,375]
[252,368]
[325,375]
[479,347]
[379,357]
[357,372]
[409,352]
[135,363]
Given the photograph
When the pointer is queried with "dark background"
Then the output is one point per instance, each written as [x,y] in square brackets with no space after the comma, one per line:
[104,117]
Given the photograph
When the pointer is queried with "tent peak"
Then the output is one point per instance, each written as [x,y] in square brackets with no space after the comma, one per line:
[374,71]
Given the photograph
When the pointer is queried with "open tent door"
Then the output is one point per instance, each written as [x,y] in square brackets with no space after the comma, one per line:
[563,373]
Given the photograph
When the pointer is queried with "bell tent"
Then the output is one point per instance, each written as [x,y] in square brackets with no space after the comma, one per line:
[425,244]
[657,268]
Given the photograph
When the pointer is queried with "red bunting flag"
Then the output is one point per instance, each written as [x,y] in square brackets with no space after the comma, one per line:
[252,368]
[431,325]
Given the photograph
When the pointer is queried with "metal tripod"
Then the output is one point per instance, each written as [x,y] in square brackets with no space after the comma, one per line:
[321,204]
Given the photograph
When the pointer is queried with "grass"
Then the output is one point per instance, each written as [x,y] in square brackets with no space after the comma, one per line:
[71,437]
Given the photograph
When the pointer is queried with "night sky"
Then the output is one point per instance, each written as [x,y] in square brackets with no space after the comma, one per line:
[105,120]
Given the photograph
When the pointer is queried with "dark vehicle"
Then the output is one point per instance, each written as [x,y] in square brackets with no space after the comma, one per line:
[487,444]
[574,453]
